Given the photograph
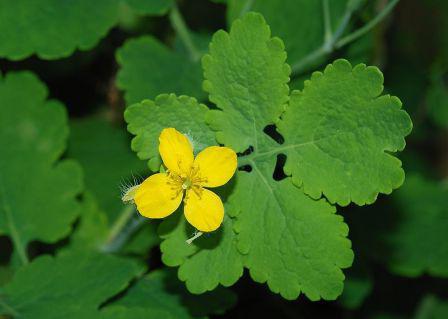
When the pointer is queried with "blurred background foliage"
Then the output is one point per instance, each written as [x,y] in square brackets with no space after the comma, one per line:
[135,49]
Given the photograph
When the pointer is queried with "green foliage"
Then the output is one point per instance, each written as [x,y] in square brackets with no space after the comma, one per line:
[300,23]
[161,291]
[37,191]
[437,101]
[165,72]
[74,285]
[285,238]
[292,242]
[153,7]
[37,29]
[339,135]
[246,80]
[103,151]
[182,112]
[209,261]
[432,307]
[417,245]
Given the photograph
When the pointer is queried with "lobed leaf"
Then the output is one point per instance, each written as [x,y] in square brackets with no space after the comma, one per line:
[37,191]
[147,119]
[340,134]
[300,23]
[160,291]
[74,285]
[148,68]
[103,151]
[246,77]
[292,242]
[34,27]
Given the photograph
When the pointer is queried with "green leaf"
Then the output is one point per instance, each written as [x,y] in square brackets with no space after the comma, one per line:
[437,101]
[74,285]
[142,241]
[246,77]
[108,163]
[339,135]
[292,242]
[93,227]
[151,7]
[51,28]
[161,291]
[210,260]
[432,307]
[37,191]
[417,243]
[300,23]
[147,119]
[149,68]
[357,286]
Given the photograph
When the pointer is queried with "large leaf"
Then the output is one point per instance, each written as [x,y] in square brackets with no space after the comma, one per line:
[246,77]
[53,28]
[149,68]
[292,242]
[71,285]
[37,192]
[161,291]
[340,132]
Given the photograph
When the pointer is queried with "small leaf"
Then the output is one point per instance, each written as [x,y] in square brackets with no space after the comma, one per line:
[339,135]
[210,260]
[417,242]
[53,29]
[148,68]
[37,192]
[74,285]
[147,119]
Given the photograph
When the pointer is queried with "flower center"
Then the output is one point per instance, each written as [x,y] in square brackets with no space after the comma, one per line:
[191,180]
[187,183]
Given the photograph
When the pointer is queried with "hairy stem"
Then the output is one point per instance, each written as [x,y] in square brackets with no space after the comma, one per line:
[335,41]
[367,27]
[122,229]
[182,31]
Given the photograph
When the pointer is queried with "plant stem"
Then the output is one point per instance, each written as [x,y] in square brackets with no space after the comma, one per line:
[328,33]
[334,41]
[246,7]
[367,27]
[122,229]
[15,236]
[9,310]
[182,31]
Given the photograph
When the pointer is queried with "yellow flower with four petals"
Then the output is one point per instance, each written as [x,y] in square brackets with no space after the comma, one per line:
[161,194]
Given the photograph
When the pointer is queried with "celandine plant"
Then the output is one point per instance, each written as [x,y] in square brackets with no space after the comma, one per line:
[338,135]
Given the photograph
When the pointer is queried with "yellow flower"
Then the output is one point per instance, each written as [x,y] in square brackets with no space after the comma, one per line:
[161,194]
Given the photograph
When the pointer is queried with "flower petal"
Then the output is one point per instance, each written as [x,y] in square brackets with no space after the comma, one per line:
[204,212]
[176,151]
[217,165]
[155,198]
